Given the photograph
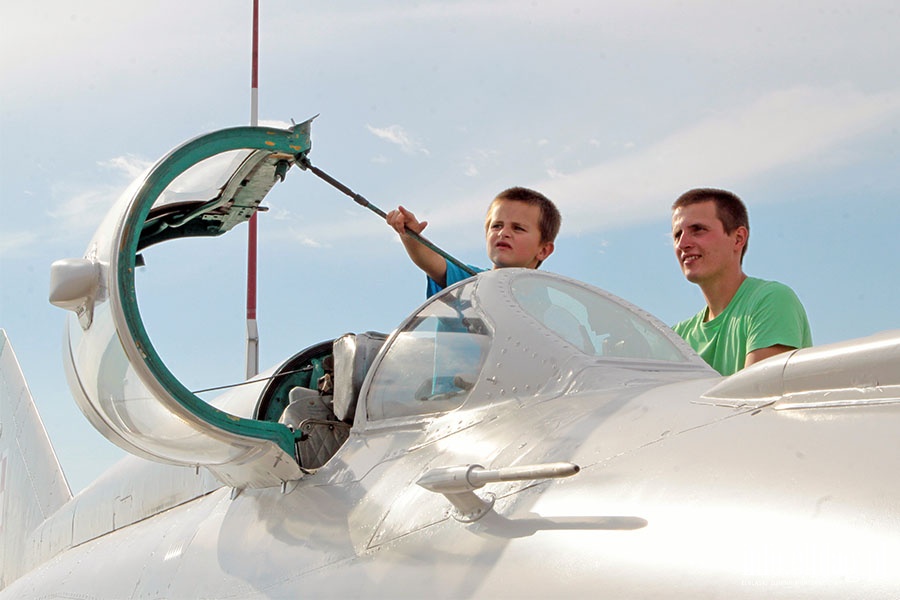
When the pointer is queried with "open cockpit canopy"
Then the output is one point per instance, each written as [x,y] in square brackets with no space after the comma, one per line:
[205,187]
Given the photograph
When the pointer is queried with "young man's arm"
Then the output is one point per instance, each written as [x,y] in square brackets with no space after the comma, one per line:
[432,263]
[780,324]
[763,353]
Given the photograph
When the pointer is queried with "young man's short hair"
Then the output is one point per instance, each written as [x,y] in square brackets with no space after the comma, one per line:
[729,208]
[550,220]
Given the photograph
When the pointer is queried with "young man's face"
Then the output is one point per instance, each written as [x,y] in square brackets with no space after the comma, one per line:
[513,235]
[702,247]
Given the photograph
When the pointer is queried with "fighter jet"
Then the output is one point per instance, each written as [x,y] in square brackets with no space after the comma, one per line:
[521,434]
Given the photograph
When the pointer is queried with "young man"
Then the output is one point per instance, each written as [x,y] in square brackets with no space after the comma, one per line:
[520,230]
[745,319]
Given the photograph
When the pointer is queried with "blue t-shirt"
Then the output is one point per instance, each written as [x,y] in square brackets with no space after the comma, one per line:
[454,275]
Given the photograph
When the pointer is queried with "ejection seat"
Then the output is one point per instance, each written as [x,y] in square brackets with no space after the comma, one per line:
[324,416]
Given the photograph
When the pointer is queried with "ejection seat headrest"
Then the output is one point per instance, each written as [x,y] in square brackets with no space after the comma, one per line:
[353,355]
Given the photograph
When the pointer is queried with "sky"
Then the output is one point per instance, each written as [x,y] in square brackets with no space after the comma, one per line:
[612,109]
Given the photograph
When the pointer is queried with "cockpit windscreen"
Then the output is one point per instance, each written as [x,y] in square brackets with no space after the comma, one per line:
[434,361]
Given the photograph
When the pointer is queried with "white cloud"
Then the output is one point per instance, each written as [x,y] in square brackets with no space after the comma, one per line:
[129,165]
[15,243]
[396,134]
[779,129]
[478,159]
[96,44]
[280,214]
[308,241]
[81,211]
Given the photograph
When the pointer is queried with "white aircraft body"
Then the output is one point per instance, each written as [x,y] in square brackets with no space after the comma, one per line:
[520,435]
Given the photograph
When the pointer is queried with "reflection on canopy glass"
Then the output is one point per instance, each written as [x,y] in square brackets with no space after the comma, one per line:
[434,361]
[594,324]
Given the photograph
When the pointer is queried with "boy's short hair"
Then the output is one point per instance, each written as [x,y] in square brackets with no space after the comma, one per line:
[550,220]
[730,210]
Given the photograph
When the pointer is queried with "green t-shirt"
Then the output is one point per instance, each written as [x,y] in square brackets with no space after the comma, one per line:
[761,314]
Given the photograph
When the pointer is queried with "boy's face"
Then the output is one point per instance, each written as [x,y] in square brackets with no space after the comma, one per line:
[513,235]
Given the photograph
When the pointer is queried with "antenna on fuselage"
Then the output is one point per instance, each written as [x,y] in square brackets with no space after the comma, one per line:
[252,329]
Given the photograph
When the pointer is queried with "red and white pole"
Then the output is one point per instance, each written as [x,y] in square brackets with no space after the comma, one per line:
[252,329]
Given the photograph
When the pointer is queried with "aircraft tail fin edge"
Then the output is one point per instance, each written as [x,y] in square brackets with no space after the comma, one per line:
[32,483]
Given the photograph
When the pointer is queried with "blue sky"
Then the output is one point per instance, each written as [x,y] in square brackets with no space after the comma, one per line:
[610,108]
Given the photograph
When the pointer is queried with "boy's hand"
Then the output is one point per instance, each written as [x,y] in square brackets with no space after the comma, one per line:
[401,220]
[422,256]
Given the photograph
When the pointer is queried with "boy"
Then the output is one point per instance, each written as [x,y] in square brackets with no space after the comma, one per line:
[520,230]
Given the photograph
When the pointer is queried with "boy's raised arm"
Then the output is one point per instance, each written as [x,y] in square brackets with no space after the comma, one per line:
[432,263]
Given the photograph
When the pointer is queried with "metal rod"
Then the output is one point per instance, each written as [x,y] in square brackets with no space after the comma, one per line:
[303,163]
